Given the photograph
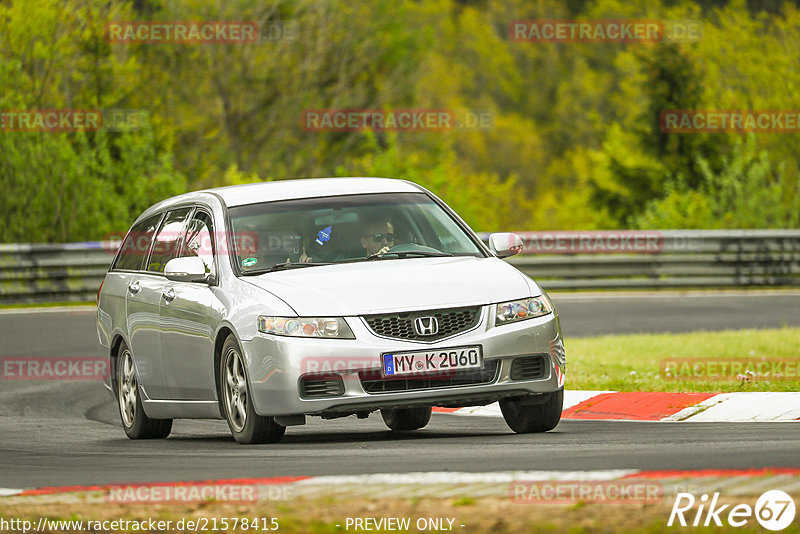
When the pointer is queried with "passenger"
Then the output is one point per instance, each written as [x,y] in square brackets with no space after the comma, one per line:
[377,238]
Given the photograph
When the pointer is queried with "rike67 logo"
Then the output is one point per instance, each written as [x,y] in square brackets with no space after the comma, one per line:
[774,510]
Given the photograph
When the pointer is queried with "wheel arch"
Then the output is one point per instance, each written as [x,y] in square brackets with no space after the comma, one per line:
[222,334]
[116,342]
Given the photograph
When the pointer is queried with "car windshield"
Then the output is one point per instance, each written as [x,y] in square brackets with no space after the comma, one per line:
[345,229]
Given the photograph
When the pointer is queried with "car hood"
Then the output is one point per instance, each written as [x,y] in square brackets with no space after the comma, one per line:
[396,284]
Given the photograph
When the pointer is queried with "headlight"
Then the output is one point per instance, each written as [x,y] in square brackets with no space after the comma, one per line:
[519,310]
[305,326]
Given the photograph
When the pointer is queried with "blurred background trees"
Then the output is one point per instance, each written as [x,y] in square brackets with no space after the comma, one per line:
[575,141]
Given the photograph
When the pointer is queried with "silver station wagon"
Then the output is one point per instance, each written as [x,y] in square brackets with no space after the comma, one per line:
[266,303]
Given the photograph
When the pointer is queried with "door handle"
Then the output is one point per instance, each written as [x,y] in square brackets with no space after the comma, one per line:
[134,287]
[169,296]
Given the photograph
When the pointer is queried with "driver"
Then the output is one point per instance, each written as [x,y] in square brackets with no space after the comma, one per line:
[378,237]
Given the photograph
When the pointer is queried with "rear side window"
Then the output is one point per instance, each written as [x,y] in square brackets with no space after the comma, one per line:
[200,240]
[167,242]
[134,249]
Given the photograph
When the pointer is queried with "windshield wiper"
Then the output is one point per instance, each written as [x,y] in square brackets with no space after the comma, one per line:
[283,266]
[403,254]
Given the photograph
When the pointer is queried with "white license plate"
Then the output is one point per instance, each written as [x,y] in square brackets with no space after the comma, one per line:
[427,361]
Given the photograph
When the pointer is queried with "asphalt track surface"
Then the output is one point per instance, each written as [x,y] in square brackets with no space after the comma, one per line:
[55,433]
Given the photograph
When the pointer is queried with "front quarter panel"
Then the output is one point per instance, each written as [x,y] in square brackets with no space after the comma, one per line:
[241,304]
[244,302]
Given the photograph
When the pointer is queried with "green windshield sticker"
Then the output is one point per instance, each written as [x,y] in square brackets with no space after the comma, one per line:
[249,262]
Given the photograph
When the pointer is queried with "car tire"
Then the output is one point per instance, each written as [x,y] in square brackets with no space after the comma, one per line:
[245,424]
[401,419]
[524,418]
[129,401]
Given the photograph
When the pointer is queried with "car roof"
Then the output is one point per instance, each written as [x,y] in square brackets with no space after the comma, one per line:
[238,195]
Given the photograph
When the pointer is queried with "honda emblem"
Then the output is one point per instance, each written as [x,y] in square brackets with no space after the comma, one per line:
[426,326]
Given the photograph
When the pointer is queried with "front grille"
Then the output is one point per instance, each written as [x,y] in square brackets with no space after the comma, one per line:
[315,386]
[401,325]
[528,367]
[466,377]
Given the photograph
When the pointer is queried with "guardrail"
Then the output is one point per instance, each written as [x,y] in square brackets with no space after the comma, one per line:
[44,272]
[558,260]
[660,259]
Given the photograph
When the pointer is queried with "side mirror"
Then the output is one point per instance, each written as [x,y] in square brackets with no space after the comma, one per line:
[505,244]
[190,269]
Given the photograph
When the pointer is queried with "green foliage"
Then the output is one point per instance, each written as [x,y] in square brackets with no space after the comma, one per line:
[62,187]
[652,179]
[748,192]
[481,199]
[70,187]
[575,141]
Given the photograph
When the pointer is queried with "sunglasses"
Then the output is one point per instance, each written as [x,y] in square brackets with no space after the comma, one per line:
[380,237]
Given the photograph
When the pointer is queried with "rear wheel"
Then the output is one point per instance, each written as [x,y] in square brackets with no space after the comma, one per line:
[136,424]
[246,425]
[399,419]
[523,417]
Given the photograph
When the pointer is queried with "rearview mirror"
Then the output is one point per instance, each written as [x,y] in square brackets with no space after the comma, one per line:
[190,269]
[505,244]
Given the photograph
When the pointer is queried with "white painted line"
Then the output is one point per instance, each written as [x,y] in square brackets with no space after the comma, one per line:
[791,487]
[448,477]
[761,484]
[490,410]
[751,406]
[691,411]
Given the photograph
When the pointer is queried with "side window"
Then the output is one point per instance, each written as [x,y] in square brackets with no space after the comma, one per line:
[200,240]
[167,242]
[134,249]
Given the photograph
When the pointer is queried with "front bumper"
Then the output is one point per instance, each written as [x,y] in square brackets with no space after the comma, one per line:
[276,364]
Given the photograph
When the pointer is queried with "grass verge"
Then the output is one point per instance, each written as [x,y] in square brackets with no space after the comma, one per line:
[639,362]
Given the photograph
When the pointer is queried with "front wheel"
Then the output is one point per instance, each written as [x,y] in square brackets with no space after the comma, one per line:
[400,419]
[246,425]
[523,417]
[136,424]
